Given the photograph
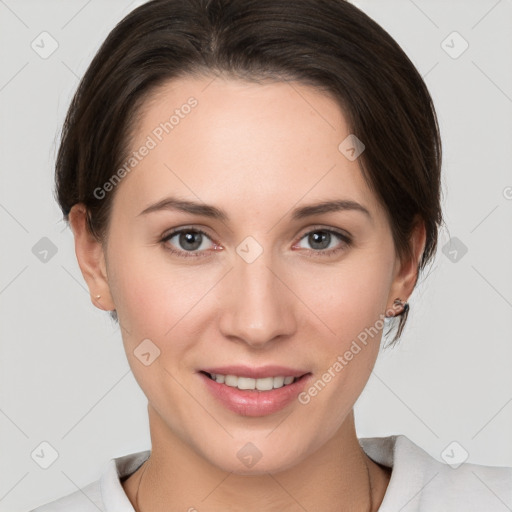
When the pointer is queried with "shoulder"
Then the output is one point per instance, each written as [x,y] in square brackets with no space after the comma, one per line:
[105,494]
[419,482]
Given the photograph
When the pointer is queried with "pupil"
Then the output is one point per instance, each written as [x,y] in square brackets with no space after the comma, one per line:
[323,239]
[188,238]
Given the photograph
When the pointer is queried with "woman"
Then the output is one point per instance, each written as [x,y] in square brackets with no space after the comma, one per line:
[254,189]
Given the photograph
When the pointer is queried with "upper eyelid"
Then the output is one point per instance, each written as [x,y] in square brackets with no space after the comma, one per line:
[177,231]
[341,233]
[345,237]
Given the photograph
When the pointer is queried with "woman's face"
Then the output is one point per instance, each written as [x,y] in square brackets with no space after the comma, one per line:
[264,285]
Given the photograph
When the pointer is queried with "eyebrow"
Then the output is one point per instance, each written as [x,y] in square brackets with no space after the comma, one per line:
[206,210]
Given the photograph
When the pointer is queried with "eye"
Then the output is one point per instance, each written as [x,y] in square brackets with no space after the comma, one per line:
[189,242]
[192,242]
[323,242]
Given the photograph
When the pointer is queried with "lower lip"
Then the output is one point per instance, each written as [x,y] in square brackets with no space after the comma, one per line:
[254,402]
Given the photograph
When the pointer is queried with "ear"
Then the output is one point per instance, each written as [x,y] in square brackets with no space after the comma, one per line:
[406,271]
[91,258]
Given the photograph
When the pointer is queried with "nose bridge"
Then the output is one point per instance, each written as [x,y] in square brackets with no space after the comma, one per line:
[259,305]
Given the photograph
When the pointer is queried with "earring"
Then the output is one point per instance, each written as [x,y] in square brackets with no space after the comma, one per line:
[98,296]
[404,304]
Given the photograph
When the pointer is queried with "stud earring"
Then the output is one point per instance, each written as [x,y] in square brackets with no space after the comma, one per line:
[403,304]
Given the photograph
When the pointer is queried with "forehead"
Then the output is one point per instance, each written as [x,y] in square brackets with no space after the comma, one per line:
[219,140]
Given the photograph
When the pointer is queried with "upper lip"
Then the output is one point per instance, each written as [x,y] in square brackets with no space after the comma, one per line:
[256,372]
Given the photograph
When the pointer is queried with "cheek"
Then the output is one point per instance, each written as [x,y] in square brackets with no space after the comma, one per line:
[158,300]
[353,306]
[350,298]
[136,294]
[142,285]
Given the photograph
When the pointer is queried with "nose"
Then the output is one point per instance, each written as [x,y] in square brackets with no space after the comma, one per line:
[257,305]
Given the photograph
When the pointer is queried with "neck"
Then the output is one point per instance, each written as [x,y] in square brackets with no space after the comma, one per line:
[335,478]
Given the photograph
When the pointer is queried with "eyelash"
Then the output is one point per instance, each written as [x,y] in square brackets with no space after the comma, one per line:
[346,242]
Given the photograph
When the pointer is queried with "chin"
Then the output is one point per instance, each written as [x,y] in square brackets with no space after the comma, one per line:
[250,461]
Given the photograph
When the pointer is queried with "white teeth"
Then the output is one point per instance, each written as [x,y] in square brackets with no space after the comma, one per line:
[278,382]
[231,380]
[246,383]
[265,384]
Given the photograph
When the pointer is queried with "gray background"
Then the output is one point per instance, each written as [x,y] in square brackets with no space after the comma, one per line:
[64,377]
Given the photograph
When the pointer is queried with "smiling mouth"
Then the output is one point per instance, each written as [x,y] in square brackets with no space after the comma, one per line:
[250,384]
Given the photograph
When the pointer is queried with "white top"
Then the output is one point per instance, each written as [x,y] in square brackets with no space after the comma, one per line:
[419,483]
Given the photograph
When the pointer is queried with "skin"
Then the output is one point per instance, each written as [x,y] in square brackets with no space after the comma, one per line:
[256,151]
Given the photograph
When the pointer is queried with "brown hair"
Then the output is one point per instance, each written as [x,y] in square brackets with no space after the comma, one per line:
[328,44]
